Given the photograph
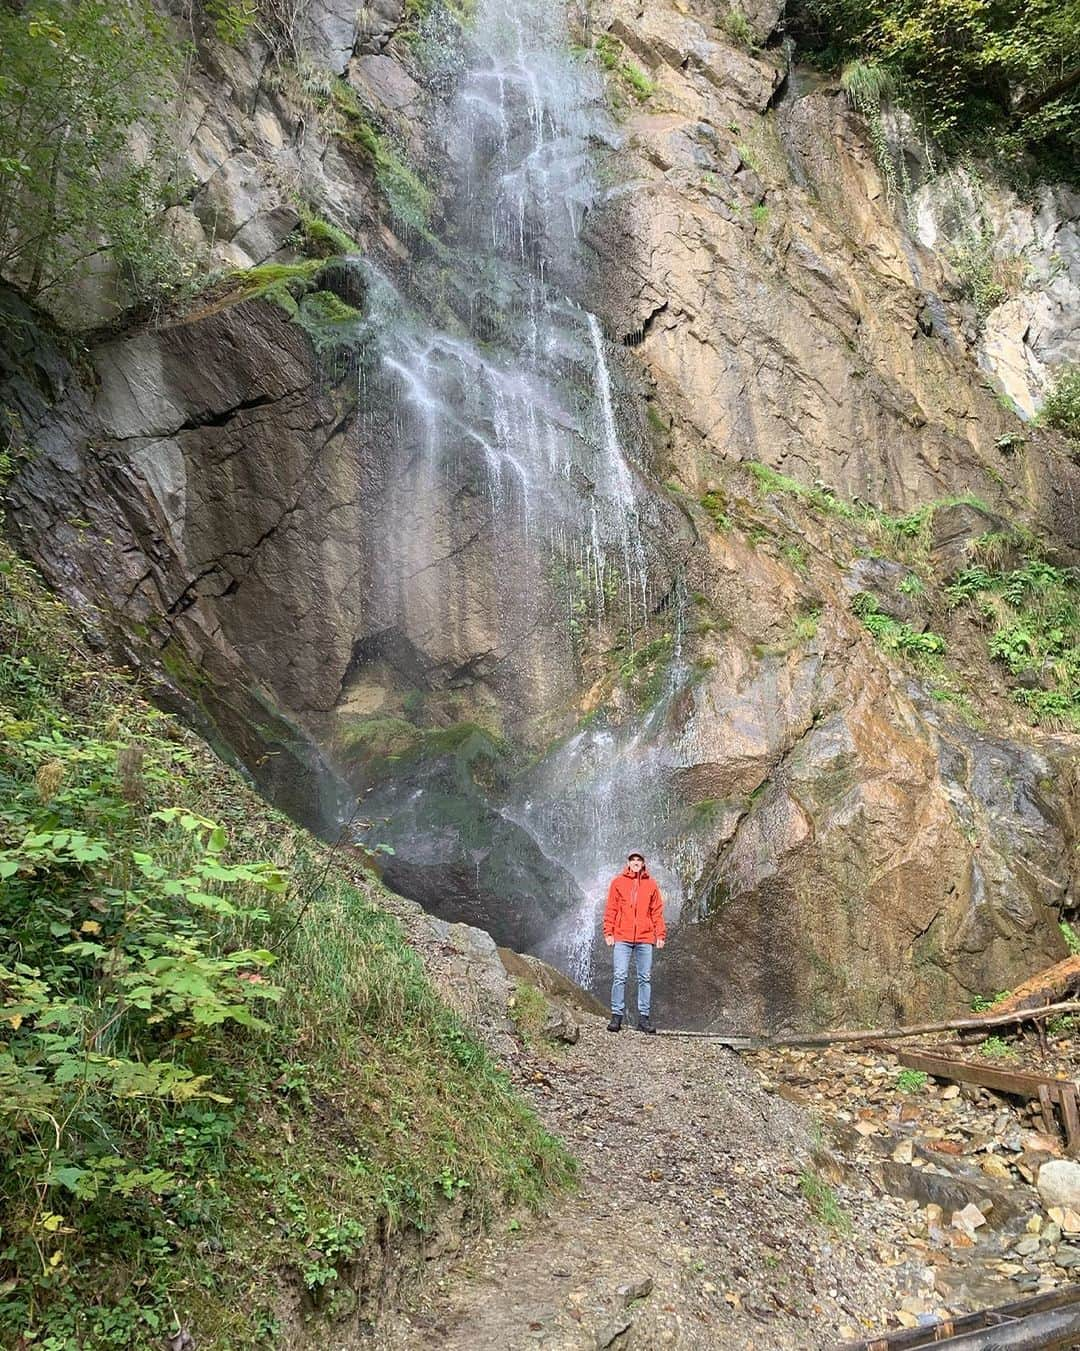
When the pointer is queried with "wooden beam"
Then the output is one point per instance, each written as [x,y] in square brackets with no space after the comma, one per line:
[944,1332]
[1014,1082]
[1046,1103]
[1070,1115]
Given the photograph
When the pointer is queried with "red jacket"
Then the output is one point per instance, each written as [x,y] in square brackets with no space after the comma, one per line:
[635,909]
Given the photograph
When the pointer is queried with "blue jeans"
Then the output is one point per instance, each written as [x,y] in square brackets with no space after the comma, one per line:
[642,965]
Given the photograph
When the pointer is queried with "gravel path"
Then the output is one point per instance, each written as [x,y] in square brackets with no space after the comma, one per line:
[690,1227]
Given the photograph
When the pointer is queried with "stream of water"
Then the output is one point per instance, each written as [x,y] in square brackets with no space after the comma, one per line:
[520,392]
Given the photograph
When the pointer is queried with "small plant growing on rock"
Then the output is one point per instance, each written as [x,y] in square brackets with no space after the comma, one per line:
[715,503]
[232,21]
[1071,937]
[893,634]
[986,277]
[912,1081]
[982,1003]
[528,1011]
[737,26]
[997,1046]
[823,1202]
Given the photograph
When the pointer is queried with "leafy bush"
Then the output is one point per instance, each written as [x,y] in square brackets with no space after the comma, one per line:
[912,1081]
[973,72]
[1061,408]
[987,278]
[221,1060]
[893,634]
[1033,612]
[737,26]
[77,79]
[232,19]
[1071,937]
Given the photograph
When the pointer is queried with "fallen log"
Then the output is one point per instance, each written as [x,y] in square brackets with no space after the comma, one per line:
[956,1332]
[1056,983]
[970,1022]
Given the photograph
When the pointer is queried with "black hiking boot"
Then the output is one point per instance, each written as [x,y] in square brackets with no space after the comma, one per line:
[616,1023]
[645,1026]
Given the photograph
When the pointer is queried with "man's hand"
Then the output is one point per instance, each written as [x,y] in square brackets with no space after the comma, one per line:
[609,940]
[659,942]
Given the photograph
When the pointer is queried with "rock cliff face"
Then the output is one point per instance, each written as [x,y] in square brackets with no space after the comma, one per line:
[484,577]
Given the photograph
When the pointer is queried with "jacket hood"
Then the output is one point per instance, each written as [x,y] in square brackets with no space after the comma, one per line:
[627,873]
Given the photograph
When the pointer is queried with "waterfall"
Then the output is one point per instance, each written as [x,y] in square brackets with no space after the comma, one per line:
[504,436]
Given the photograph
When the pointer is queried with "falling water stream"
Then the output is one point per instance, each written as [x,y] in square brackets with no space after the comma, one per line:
[518,393]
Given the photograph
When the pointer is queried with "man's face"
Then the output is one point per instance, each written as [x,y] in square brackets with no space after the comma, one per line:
[636,865]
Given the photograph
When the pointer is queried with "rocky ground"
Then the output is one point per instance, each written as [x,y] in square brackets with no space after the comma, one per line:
[774,1200]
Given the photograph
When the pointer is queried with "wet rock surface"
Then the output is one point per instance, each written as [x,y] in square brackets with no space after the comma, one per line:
[255,526]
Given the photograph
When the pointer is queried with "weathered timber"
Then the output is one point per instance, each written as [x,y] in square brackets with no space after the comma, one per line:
[1070,1115]
[945,1332]
[1053,984]
[1046,1104]
[1051,1093]
[881,1033]
[1016,1083]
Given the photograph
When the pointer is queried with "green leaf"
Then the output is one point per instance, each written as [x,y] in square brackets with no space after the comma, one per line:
[67,1176]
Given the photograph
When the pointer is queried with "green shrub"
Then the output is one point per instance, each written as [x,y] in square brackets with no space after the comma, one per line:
[987,278]
[78,78]
[977,75]
[221,1062]
[893,634]
[1033,612]
[737,26]
[912,1081]
[608,51]
[1071,937]
[997,1046]
[232,19]
[1061,407]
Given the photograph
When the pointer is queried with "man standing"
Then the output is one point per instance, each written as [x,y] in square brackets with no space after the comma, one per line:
[633,922]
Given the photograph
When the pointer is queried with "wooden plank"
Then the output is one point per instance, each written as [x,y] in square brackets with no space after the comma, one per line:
[1046,1102]
[907,1339]
[1014,1082]
[1070,1115]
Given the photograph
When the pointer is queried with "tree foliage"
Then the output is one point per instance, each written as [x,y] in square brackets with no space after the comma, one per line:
[80,165]
[966,67]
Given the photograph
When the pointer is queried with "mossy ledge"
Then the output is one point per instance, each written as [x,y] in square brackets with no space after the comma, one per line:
[325,1118]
